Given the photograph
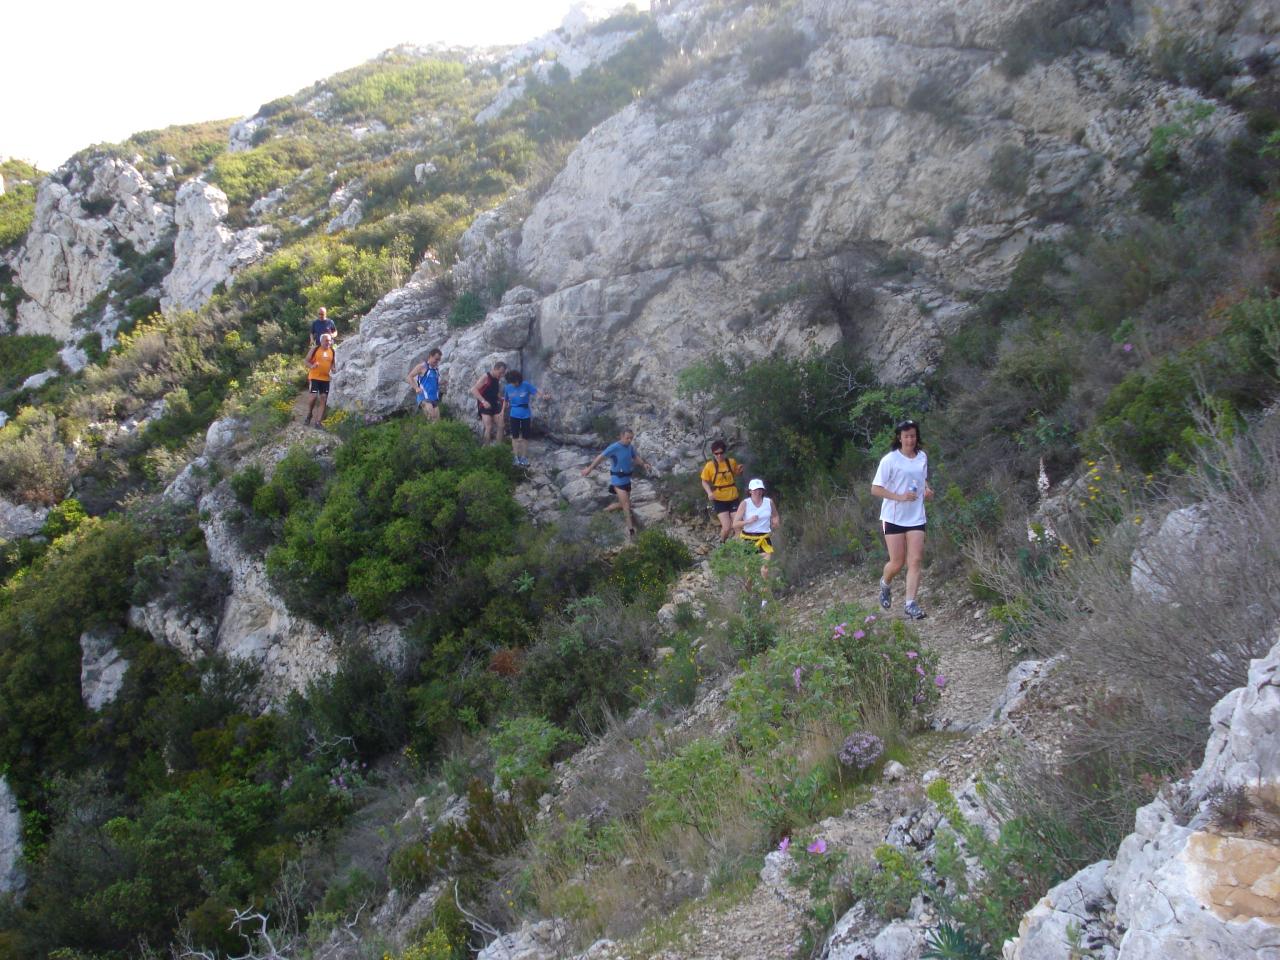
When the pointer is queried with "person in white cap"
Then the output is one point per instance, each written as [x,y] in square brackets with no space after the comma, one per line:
[757,519]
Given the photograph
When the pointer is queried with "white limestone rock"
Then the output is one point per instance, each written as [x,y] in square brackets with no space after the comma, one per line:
[543,940]
[191,635]
[347,219]
[190,483]
[73,358]
[257,627]
[222,436]
[68,257]
[1023,678]
[38,380]
[206,251]
[422,171]
[102,668]
[1181,887]
[1168,554]
[11,877]
[240,137]
[18,520]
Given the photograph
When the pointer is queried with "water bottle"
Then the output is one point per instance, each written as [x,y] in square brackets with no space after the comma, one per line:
[913,488]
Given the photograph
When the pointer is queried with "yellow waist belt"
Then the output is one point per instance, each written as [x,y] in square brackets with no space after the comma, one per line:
[760,541]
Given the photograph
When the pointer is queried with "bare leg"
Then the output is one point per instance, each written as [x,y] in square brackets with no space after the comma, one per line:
[897,544]
[624,502]
[915,556]
[726,525]
[323,402]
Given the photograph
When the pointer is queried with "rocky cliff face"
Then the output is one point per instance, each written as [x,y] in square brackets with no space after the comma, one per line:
[72,251]
[10,840]
[206,252]
[1199,878]
[857,175]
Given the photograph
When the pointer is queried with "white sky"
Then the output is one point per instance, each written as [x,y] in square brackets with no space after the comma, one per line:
[89,71]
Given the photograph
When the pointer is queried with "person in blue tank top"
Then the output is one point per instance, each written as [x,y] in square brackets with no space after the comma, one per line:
[622,458]
[425,380]
[517,394]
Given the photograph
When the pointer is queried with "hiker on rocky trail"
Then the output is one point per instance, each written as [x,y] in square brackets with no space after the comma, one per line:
[756,520]
[425,380]
[322,362]
[902,482]
[622,457]
[322,325]
[517,394]
[718,480]
[487,391]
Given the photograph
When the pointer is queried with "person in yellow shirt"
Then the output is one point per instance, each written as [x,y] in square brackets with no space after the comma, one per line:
[322,361]
[718,480]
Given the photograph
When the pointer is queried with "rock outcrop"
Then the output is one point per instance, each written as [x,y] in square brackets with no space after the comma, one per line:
[1199,878]
[70,255]
[10,840]
[206,251]
[19,520]
[102,668]
[857,184]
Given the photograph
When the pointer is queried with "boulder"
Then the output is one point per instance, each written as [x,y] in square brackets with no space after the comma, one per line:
[222,436]
[102,668]
[190,483]
[206,252]
[347,219]
[1171,551]
[19,520]
[11,877]
[543,940]
[1023,678]
[189,634]
[1185,885]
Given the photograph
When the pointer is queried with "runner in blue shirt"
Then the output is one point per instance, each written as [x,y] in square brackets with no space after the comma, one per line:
[322,325]
[516,396]
[425,380]
[622,457]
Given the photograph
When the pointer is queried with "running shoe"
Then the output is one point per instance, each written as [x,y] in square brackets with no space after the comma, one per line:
[886,595]
[912,610]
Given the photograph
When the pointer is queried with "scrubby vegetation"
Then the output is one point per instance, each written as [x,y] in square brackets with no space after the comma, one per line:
[18,203]
[1139,358]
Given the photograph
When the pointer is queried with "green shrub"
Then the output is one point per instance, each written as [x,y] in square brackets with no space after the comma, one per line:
[889,887]
[295,481]
[773,51]
[18,203]
[642,571]
[468,309]
[410,869]
[1010,169]
[410,503]
[523,748]
[34,463]
[585,664]
[688,789]
[246,483]
[22,355]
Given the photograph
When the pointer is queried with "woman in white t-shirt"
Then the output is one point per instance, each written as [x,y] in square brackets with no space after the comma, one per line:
[902,482]
[756,520]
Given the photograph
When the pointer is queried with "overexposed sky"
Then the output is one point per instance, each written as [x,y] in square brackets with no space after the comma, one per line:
[79,72]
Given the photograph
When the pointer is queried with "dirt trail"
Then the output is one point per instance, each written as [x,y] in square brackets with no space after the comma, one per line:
[768,924]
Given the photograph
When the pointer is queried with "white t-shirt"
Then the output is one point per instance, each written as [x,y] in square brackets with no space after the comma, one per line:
[757,520]
[897,474]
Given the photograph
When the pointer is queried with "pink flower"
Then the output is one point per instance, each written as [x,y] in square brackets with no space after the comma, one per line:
[871,618]
[911,654]
[859,634]
[919,669]
[784,843]
[1127,348]
[840,628]
[818,846]
[940,680]
[796,675]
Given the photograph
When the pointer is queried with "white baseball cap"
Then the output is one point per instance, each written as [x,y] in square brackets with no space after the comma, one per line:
[756,484]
